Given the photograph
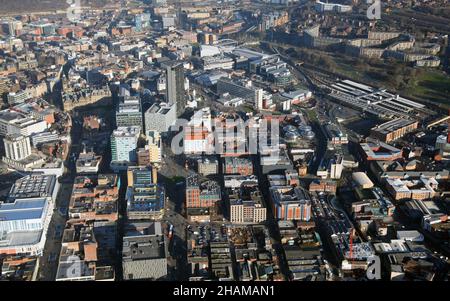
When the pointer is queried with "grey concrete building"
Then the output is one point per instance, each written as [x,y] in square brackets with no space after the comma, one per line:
[175,93]
[159,117]
[144,252]
[129,112]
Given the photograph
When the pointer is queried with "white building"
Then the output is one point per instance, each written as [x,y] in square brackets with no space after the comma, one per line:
[88,162]
[202,118]
[123,146]
[25,218]
[12,122]
[160,117]
[19,97]
[242,212]
[362,180]
[217,62]
[198,132]
[259,99]
[23,226]
[43,137]
[336,7]
[207,50]
[17,147]
[443,145]
[336,167]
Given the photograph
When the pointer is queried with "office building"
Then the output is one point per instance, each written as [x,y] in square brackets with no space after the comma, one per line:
[334,135]
[18,97]
[39,138]
[273,19]
[123,146]
[145,198]
[291,203]
[248,208]
[379,151]
[323,186]
[202,195]
[332,7]
[151,153]
[259,104]
[235,181]
[17,147]
[88,162]
[238,89]
[246,211]
[198,135]
[208,166]
[160,117]
[12,122]
[416,189]
[221,266]
[235,165]
[272,69]
[175,93]
[129,112]
[95,197]
[82,253]
[142,175]
[336,167]
[25,217]
[217,62]
[144,252]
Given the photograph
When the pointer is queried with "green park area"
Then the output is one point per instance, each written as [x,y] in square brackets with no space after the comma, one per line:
[432,86]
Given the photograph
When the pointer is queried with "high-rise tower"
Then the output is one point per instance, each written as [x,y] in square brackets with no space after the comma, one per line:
[175,85]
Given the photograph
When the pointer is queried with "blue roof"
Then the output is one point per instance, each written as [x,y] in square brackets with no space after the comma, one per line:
[22,209]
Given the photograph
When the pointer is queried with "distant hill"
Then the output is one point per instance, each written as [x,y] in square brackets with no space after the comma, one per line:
[32,6]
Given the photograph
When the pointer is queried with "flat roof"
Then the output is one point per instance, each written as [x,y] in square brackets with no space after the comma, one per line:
[33,186]
[22,209]
[20,238]
[393,125]
[143,247]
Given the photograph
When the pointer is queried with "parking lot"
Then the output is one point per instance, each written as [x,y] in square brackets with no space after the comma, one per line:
[204,234]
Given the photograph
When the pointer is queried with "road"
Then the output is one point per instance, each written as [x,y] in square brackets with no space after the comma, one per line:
[48,263]
[316,126]
[49,260]
[173,166]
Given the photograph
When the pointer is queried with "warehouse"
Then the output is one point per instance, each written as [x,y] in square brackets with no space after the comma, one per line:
[394,129]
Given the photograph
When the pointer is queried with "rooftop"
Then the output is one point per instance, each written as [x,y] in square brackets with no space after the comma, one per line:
[143,247]
[393,125]
[32,186]
[22,209]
